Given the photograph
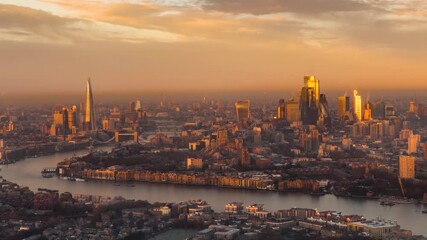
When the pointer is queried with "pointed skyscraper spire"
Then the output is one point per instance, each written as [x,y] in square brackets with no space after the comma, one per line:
[89,111]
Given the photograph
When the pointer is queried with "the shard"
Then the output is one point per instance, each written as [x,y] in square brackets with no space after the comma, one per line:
[89,119]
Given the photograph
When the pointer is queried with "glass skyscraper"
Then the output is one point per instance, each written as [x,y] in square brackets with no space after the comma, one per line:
[89,118]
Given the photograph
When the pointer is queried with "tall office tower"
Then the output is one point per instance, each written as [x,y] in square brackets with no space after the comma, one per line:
[305,98]
[367,112]
[242,110]
[138,105]
[413,141]
[343,105]
[292,111]
[324,114]
[58,116]
[308,108]
[281,109]
[312,82]
[132,107]
[412,107]
[135,106]
[406,166]
[72,117]
[378,110]
[89,119]
[323,106]
[357,105]
[63,120]
[310,101]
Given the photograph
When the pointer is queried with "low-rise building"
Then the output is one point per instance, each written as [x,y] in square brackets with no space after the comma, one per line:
[234,207]
[378,229]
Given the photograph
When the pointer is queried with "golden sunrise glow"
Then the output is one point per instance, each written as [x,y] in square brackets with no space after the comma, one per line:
[212,44]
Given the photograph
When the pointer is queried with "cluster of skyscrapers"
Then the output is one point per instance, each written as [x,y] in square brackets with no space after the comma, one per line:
[69,120]
[311,107]
[374,120]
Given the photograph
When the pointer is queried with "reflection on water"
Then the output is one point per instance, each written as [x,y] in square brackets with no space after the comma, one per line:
[27,173]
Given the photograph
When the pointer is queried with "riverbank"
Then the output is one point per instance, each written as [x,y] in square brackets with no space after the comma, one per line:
[36,151]
[27,173]
[377,199]
[218,182]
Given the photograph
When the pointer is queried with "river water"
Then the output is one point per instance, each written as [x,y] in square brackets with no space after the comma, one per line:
[27,173]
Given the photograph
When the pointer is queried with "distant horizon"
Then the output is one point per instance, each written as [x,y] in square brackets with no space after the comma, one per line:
[349,90]
[122,97]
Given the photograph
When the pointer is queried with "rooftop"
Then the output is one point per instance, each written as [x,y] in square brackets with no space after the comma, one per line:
[376,224]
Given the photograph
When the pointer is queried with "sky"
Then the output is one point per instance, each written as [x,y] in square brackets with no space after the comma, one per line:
[211,45]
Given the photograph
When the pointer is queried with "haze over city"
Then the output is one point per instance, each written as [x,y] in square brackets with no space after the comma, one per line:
[210,45]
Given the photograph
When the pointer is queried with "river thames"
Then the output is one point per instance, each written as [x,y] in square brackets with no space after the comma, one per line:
[27,173]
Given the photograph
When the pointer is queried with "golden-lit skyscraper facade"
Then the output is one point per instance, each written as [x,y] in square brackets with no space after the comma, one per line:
[312,82]
[292,111]
[411,106]
[72,117]
[406,166]
[89,118]
[242,110]
[367,112]
[281,109]
[65,119]
[357,105]
[343,105]
[413,141]
[59,117]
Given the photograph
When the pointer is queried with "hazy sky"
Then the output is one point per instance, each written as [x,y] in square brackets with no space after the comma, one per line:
[185,45]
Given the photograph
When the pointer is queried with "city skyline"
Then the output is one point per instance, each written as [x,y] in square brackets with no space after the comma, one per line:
[211,45]
[213,119]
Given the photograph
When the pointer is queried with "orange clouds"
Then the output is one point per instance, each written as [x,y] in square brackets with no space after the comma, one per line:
[178,45]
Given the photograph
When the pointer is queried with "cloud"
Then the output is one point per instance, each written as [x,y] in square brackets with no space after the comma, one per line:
[213,43]
[27,24]
[189,22]
[259,7]
[386,29]
[319,24]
